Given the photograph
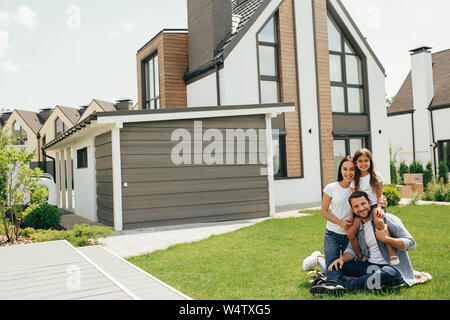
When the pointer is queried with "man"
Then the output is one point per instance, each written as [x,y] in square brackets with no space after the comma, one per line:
[375,272]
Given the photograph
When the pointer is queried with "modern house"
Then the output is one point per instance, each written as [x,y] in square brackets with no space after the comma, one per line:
[310,53]
[298,71]
[419,115]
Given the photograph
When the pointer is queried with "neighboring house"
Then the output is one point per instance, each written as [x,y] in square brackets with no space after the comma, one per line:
[25,125]
[419,115]
[97,105]
[309,52]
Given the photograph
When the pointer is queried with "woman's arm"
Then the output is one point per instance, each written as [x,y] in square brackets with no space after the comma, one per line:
[326,212]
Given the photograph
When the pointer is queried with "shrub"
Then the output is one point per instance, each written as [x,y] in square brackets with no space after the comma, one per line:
[43,217]
[80,236]
[437,192]
[416,167]
[394,178]
[443,172]
[428,175]
[402,170]
[392,195]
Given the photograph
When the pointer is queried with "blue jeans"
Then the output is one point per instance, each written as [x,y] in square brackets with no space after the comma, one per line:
[369,275]
[334,244]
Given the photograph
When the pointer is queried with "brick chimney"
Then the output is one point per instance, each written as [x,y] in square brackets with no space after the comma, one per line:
[423,94]
[209,23]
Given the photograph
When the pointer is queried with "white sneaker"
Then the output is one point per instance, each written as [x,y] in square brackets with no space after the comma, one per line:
[310,262]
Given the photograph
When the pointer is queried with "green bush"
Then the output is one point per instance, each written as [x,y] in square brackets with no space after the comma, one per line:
[437,192]
[392,194]
[443,172]
[416,167]
[402,171]
[394,178]
[43,217]
[80,236]
[428,175]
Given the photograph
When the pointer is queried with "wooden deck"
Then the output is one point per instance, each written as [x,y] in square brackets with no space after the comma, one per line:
[58,271]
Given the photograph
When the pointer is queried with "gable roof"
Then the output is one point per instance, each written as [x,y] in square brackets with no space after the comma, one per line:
[403,101]
[106,106]
[71,113]
[32,119]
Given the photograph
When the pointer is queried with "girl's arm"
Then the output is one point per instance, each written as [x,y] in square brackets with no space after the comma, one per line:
[326,212]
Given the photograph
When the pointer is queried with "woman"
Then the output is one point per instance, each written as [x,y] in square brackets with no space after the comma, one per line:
[336,196]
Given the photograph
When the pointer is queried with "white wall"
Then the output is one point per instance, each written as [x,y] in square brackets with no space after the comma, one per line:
[441,120]
[85,186]
[377,101]
[400,137]
[202,93]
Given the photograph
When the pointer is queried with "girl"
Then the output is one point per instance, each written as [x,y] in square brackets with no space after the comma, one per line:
[336,195]
[371,182]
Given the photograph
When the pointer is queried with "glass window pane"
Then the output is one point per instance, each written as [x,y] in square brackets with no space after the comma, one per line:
[348,47]
[156,76]
[355,100]
[268,33]
[334,36]
[335,68]
[355,145]
[157,104]
[269,92]
[267,66]
[276,154]
[337,99]
[152,104]
[151,82]
[354,70]
[339,153]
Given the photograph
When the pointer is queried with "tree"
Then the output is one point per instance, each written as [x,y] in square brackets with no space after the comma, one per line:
[19,189]
[443,172]
[428,174]
[394,179]
[402,170]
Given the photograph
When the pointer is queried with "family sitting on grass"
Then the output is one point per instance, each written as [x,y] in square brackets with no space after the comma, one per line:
[364,247]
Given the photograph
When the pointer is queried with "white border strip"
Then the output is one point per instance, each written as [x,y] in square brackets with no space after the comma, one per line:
[106,274]
[147,274]
[192,115]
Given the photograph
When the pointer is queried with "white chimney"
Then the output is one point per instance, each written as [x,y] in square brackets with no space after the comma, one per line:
[423,94]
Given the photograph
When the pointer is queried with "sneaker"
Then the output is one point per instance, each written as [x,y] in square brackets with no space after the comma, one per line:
[310,262]
[318,281]
[328,288]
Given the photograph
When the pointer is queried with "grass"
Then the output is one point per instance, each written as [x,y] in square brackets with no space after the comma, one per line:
[264,261]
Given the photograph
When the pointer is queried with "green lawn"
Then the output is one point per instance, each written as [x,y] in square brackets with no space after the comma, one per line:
[264,261]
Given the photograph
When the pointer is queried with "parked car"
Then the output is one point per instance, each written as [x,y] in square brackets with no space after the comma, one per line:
[48,182]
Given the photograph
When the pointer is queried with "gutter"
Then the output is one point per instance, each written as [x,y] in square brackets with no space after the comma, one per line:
[53,159]
[433,137]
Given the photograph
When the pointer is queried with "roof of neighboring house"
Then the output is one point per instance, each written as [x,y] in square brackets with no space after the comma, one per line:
[403,101]
[71,113]
[32,119]
[106,106]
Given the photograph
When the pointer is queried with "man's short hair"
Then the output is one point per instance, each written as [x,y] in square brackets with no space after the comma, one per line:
[357,195]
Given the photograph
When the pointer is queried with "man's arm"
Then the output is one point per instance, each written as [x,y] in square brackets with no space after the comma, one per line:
[382,235]
[339,263]
[400,237]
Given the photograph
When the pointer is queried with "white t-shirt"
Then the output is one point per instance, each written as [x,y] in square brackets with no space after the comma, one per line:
[364,185]
[340,207]
[371,241]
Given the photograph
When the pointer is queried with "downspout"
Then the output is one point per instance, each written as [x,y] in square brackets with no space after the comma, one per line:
[217,63]
[413,137]
[54,161]
[434,140]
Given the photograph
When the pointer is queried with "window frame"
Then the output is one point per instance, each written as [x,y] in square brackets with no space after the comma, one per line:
[146,102]
[82,158]
[441,151]
[64,128]
[343,60]
[21,137]
[346,138]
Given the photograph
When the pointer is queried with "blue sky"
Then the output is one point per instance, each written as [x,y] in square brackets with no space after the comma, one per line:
[60,52]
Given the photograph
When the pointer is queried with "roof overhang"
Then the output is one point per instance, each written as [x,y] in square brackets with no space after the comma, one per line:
[104,121]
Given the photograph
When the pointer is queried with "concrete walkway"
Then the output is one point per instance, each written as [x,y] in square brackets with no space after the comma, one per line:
[142,241]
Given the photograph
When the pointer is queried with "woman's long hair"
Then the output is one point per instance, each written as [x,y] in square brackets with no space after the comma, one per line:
[340,177]
[373,176]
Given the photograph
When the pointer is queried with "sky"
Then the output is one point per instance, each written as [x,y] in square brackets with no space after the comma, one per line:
[68,52]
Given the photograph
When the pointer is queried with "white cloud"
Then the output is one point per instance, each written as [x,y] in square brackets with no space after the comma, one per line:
[4,42]
[9,66]
[25,16]
[129,26]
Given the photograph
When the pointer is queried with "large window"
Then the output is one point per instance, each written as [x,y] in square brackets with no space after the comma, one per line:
[347,147]
[444,152]
[60,127]
[346,75]
[20,135]
[82,158]
[269,87]
[151,83]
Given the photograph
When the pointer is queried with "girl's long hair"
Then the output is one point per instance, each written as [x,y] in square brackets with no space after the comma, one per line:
[373,176]
[344,160]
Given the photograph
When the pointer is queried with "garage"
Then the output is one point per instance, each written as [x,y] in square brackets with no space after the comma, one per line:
[147,168]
